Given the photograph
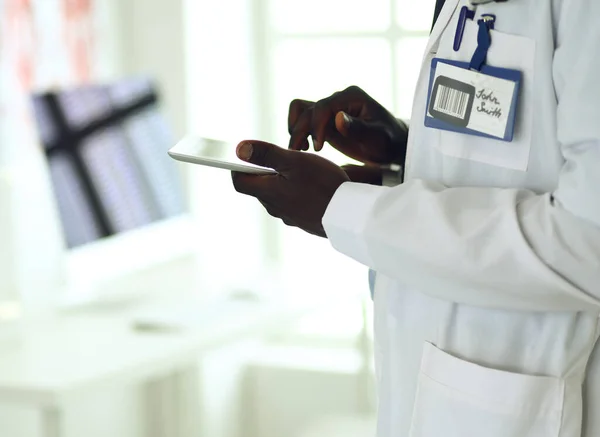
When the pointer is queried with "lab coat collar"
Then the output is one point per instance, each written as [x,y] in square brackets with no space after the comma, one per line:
[441,24]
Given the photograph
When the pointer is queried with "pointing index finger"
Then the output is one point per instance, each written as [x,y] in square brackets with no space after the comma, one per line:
[301,130]
[297,108]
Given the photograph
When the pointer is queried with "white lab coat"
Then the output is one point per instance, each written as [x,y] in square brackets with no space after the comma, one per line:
[487,297]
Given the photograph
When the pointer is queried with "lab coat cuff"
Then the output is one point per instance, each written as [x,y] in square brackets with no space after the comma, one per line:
[347,216]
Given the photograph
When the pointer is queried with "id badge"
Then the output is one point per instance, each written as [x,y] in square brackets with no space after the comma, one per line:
[481,103]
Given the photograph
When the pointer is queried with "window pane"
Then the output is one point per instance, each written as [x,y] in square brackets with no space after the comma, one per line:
[409,55]
[313,69]
[215,83]
[316,68]
[415,14]
[291,16]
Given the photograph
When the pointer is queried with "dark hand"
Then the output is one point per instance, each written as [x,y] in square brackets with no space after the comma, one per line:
[301,191]
[352,122]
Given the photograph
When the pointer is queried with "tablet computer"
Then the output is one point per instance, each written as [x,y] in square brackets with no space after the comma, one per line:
[213,153]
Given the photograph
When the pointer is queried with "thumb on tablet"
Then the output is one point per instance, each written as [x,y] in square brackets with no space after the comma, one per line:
[265,155]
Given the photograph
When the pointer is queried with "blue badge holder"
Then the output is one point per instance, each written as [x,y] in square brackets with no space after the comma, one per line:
[502,73]
[477,64]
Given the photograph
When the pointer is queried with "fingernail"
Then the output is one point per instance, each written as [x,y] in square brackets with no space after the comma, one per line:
[316,145]
[347,118]
[244,151]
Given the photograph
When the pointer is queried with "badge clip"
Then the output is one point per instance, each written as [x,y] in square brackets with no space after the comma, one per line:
[484,41]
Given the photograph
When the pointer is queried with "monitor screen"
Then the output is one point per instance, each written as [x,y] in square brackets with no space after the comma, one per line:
[106,147]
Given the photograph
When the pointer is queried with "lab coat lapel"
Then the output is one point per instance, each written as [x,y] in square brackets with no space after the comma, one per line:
[419,103]
[441,24]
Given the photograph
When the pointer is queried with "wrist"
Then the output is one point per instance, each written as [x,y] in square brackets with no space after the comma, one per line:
[400,141]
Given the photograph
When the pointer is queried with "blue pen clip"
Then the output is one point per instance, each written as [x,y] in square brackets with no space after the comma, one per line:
[484,41]
[465,14]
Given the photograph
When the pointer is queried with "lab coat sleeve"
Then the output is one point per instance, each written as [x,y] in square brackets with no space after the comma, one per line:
[491,247]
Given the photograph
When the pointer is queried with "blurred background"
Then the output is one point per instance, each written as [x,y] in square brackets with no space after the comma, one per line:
[140,297]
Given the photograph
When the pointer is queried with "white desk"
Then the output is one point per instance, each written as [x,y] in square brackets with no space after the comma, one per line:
[51,364]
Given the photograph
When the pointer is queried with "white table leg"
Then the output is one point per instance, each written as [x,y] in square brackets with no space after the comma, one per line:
[187,401]
[52,425]
[172,406]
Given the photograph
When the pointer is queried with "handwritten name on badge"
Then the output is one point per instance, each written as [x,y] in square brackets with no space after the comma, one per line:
[488,103]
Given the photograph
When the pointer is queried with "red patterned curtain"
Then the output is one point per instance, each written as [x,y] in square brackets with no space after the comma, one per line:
[43,44]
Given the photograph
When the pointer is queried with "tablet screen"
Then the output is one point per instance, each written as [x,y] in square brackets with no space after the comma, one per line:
[213,153]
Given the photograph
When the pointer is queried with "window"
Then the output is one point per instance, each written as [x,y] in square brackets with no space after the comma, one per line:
[308,50]
[313,49]
[325,46]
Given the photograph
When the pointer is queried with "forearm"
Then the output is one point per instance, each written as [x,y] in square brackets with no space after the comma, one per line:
[469,245]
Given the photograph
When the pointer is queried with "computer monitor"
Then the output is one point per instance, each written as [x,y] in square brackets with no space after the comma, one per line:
[106,147]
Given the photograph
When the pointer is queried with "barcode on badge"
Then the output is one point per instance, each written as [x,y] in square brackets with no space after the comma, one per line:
[451,101]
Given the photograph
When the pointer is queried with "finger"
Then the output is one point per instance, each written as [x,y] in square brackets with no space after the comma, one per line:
[323,117]
[266,155]
[371,136]
[318,119]
[324,114]
[274,212]
[288,222]
[301,130]
[258,186]
[245,183]
[299,142]
[297,108]
[359,129]
[269,208]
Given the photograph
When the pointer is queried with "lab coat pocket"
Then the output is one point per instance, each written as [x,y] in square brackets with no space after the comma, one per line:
[456,398]
[507,51]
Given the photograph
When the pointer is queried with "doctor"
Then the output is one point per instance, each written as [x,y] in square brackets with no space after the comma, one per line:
[487,296]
